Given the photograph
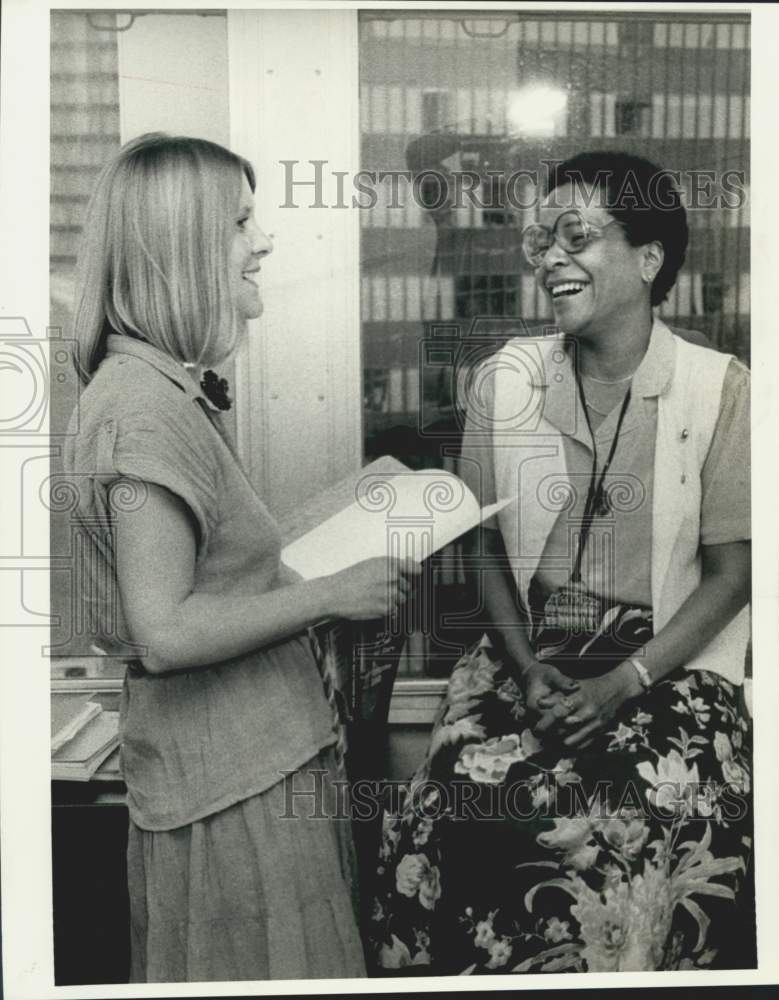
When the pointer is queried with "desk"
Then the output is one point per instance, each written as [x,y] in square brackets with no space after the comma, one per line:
[91,908]
[89,872]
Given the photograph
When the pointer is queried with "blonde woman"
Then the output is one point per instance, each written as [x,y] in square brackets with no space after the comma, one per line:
[223,711]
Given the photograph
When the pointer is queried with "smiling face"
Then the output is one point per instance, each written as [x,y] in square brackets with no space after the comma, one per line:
[250,245]
[599,290]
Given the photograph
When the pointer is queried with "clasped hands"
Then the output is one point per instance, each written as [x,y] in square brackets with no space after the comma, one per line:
[571,711]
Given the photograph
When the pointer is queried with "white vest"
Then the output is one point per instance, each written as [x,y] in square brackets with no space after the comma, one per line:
[527,449]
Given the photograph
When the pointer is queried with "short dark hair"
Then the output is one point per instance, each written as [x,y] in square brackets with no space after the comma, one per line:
[642,196]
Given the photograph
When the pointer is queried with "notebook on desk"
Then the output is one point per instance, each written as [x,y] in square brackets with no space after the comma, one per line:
[70,712]
[81,756]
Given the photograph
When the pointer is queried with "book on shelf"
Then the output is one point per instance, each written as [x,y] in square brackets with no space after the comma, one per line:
[81,756]
[385,509]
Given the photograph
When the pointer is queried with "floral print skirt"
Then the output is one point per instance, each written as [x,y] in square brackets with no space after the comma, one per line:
[630,854]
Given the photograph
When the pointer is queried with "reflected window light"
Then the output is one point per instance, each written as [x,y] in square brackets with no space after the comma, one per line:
[536,110]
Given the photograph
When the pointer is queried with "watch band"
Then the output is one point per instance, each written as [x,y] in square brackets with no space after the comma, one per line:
[643,673]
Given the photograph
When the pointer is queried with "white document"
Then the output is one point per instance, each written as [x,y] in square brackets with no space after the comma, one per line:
[408,515]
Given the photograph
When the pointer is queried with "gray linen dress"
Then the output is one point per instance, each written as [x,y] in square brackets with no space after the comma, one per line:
[230,876]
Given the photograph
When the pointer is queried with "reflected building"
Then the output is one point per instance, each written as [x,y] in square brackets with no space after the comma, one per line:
[498,95]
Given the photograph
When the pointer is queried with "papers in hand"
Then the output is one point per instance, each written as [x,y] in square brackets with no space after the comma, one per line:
[407,514]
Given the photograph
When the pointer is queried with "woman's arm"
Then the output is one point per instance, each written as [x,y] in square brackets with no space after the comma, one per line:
[538,680]
[723,591]
[503,610]
[725,554]
[180,627]
[496,582]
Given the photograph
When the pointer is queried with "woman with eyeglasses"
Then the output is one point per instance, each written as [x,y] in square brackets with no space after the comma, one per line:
[240,859]
[584,803]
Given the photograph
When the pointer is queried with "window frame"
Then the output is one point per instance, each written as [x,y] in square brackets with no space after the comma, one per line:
[300,396]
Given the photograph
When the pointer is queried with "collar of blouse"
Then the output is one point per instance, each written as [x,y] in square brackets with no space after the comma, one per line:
[206,387]
[652,378]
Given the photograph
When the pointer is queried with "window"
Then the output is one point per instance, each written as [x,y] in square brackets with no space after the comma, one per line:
[84,134]
[435,110]
[631,117]
[483,295]
[635,32]
[499,94]
[713,292]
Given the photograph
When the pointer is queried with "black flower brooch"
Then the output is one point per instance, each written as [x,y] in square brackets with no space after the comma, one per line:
[216,389]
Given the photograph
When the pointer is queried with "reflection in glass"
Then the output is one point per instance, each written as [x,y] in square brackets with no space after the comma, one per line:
[470,107]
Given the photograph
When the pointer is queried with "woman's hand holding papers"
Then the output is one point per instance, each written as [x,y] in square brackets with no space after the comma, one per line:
[374,588]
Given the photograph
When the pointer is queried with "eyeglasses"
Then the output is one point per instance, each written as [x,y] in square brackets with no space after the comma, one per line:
[571,231]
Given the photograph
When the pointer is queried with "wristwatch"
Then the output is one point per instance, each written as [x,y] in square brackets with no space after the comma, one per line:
[643,673]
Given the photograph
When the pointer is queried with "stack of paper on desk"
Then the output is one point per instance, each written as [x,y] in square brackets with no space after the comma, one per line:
[70,712]
[83,743]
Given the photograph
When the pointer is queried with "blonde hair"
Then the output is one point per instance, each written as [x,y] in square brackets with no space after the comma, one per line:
[155,250]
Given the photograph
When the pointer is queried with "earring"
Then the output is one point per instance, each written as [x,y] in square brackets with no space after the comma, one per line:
[646,278]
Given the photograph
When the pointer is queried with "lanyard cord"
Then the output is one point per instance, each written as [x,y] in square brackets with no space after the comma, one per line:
[595,503]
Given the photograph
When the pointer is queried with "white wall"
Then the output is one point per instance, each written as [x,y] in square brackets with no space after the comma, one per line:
[295,96]
[173,76]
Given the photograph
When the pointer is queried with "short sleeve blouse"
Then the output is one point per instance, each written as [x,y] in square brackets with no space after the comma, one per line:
[192,742]
[725,505]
